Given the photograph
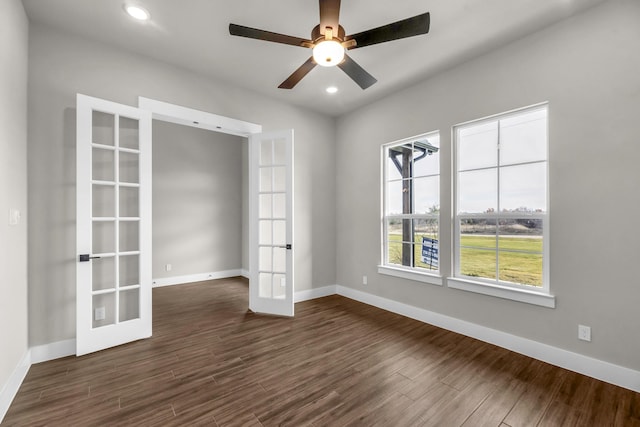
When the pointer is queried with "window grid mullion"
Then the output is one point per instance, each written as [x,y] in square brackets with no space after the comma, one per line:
[514,251]
[502,215]
[412,216]
[499,204]
[532,162]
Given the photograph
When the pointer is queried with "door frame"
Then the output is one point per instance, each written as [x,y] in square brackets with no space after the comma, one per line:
[172,113]
[177,114]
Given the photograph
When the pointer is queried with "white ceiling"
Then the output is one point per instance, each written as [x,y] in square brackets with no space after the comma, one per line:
[194,34]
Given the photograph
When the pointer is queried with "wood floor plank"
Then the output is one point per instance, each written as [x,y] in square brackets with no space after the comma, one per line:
[154,415]
[385,414]
[337,362]
[430,403]
[542,382]
[356,405]
[309,413]
[222,403]
[497,405]
[628,411]
[461,407]
[561,414]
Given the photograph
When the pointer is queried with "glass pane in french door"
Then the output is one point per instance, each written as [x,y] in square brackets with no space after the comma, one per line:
[115,222]
[103,273]
[103,201]
[103,237]
[129,304]
[279,284]
[104,309]
[272,212]
[129,133]
[103,129]
[129,203]
[128,167]
[103,164]
[129,271]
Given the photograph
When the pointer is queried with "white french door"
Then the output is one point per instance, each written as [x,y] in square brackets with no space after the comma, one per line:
[271,227]
[113,299]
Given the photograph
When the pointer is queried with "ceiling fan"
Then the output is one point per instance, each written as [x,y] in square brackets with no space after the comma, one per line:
[329,42]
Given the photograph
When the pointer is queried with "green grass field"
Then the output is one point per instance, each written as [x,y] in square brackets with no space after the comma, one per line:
[478,257]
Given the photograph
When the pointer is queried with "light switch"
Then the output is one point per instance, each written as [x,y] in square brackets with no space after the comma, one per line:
[14,217]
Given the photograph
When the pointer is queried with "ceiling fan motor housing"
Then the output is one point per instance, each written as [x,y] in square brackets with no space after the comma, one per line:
[318,36]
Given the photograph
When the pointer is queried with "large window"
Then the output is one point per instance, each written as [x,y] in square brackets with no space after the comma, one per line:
[411,194]
[501,200]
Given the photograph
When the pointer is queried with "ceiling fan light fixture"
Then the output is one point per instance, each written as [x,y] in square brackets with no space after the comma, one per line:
[137,12]
[328,53]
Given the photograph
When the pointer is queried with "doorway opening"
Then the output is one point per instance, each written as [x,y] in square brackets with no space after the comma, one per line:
[200,205]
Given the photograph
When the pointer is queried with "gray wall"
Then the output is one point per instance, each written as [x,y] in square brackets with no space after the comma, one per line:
[14,30]
[62,65]
[197,200]
[588,68]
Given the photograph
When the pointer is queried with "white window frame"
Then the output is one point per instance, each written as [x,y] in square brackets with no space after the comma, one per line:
[538,295]
[406,272]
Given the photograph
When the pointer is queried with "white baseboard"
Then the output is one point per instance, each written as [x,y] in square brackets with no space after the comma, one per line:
[601,370]
[11,387]
[314,293]
[244,273]
[55,350]
[190,278]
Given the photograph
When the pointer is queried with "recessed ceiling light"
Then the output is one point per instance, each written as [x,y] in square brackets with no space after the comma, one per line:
[137,12]
[332,89]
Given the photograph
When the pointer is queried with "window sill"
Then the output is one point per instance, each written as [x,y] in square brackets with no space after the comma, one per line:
[521,295]
[432,279]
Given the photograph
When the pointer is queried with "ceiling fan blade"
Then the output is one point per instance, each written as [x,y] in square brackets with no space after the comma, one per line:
[298,74]
[254,33]
[357,73]
[398,30]
[329,14]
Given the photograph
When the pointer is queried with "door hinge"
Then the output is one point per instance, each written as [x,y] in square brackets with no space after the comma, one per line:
[288,246]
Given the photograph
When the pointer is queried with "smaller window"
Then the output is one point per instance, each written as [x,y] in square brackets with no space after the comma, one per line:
[411,207]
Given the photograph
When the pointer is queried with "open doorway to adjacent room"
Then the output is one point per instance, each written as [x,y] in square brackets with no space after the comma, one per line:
[200,204]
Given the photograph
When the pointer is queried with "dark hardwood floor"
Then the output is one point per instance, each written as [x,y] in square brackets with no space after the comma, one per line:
[338,362]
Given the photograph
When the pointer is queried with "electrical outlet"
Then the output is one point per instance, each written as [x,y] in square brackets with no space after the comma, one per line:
[584,333]
[14,216]
[100,313]
[167,267]
[364,280]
